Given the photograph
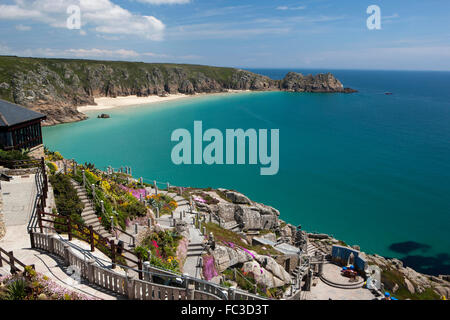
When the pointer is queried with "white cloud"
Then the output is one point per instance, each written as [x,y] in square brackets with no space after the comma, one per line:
[291,8]
[21,27]
[159,2]
[103,15]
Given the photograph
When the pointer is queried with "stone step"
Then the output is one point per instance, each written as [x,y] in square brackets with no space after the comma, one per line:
[89,212]
[91,220]
[189,254]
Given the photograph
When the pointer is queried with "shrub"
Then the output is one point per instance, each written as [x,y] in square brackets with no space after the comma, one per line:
[52,167]
[67,201]
[14,155]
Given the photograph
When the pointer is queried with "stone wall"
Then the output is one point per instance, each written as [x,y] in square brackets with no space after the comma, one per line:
[37,152]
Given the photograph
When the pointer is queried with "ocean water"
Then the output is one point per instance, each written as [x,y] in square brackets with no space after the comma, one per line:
[369,168]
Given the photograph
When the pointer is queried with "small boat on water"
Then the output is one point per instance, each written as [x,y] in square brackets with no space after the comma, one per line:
[388,93]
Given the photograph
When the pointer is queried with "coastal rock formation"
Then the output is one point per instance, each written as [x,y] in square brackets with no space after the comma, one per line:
[266,271]
[226,257]
[57,87]
[320,83]
[238,211]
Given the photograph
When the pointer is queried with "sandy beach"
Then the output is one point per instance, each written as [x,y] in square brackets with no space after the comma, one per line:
[109,103]
[104,103]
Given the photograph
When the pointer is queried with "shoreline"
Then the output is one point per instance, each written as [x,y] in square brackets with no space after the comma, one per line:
[105,103]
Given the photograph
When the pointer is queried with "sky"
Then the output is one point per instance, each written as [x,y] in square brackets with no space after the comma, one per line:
[320,34]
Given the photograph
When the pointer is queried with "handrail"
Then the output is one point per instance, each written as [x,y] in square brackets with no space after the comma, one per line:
[12,261]
[110,245]
[41,194]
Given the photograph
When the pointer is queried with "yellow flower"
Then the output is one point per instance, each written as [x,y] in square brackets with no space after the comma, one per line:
[106,186]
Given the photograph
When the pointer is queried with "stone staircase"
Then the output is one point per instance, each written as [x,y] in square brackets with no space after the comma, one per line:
[88,214]
[312,249]
[299,271]
[195,249]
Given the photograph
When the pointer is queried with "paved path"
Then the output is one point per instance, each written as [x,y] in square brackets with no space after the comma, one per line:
[18,208]
[323,291]
[18,199]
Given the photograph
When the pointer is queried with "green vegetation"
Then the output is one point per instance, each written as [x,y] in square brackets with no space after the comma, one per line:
[30,285]
[222,195]
[137,71]
[119,204]
[163,202]
[52,156]
[246,281]
[163,248]
[52,167]
[67,201]
[221,234]
[390,277]
[12,155]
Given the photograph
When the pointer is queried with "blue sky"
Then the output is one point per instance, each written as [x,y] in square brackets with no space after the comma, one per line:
[328,34]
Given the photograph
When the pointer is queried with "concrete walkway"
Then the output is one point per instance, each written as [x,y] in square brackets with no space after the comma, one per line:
[18,196]
[18,199]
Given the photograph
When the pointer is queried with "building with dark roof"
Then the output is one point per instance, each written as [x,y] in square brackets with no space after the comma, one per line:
[20,128]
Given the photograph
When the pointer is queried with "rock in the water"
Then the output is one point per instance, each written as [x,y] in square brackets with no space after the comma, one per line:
[103,116]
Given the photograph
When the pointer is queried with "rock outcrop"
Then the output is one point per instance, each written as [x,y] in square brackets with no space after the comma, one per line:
[265,270]
[239,211]
[320,83]
[57,87]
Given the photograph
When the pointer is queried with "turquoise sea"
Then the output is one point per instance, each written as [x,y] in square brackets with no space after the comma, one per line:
[369,168]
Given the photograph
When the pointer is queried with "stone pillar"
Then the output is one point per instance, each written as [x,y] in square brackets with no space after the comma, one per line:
[157,212]
[74,167]
[156,187]
[204,231]
[149,222]
[66,254]
[190,291]
[52,239]
[102,205]
[168,187]
[93,191]
[65,167]
[90,270]
[231,294]
[146,267]
[136,228]
[130,287]
[84,179]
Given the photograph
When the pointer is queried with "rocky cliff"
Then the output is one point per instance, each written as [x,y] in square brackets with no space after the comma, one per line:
[56,87]
[247,218]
